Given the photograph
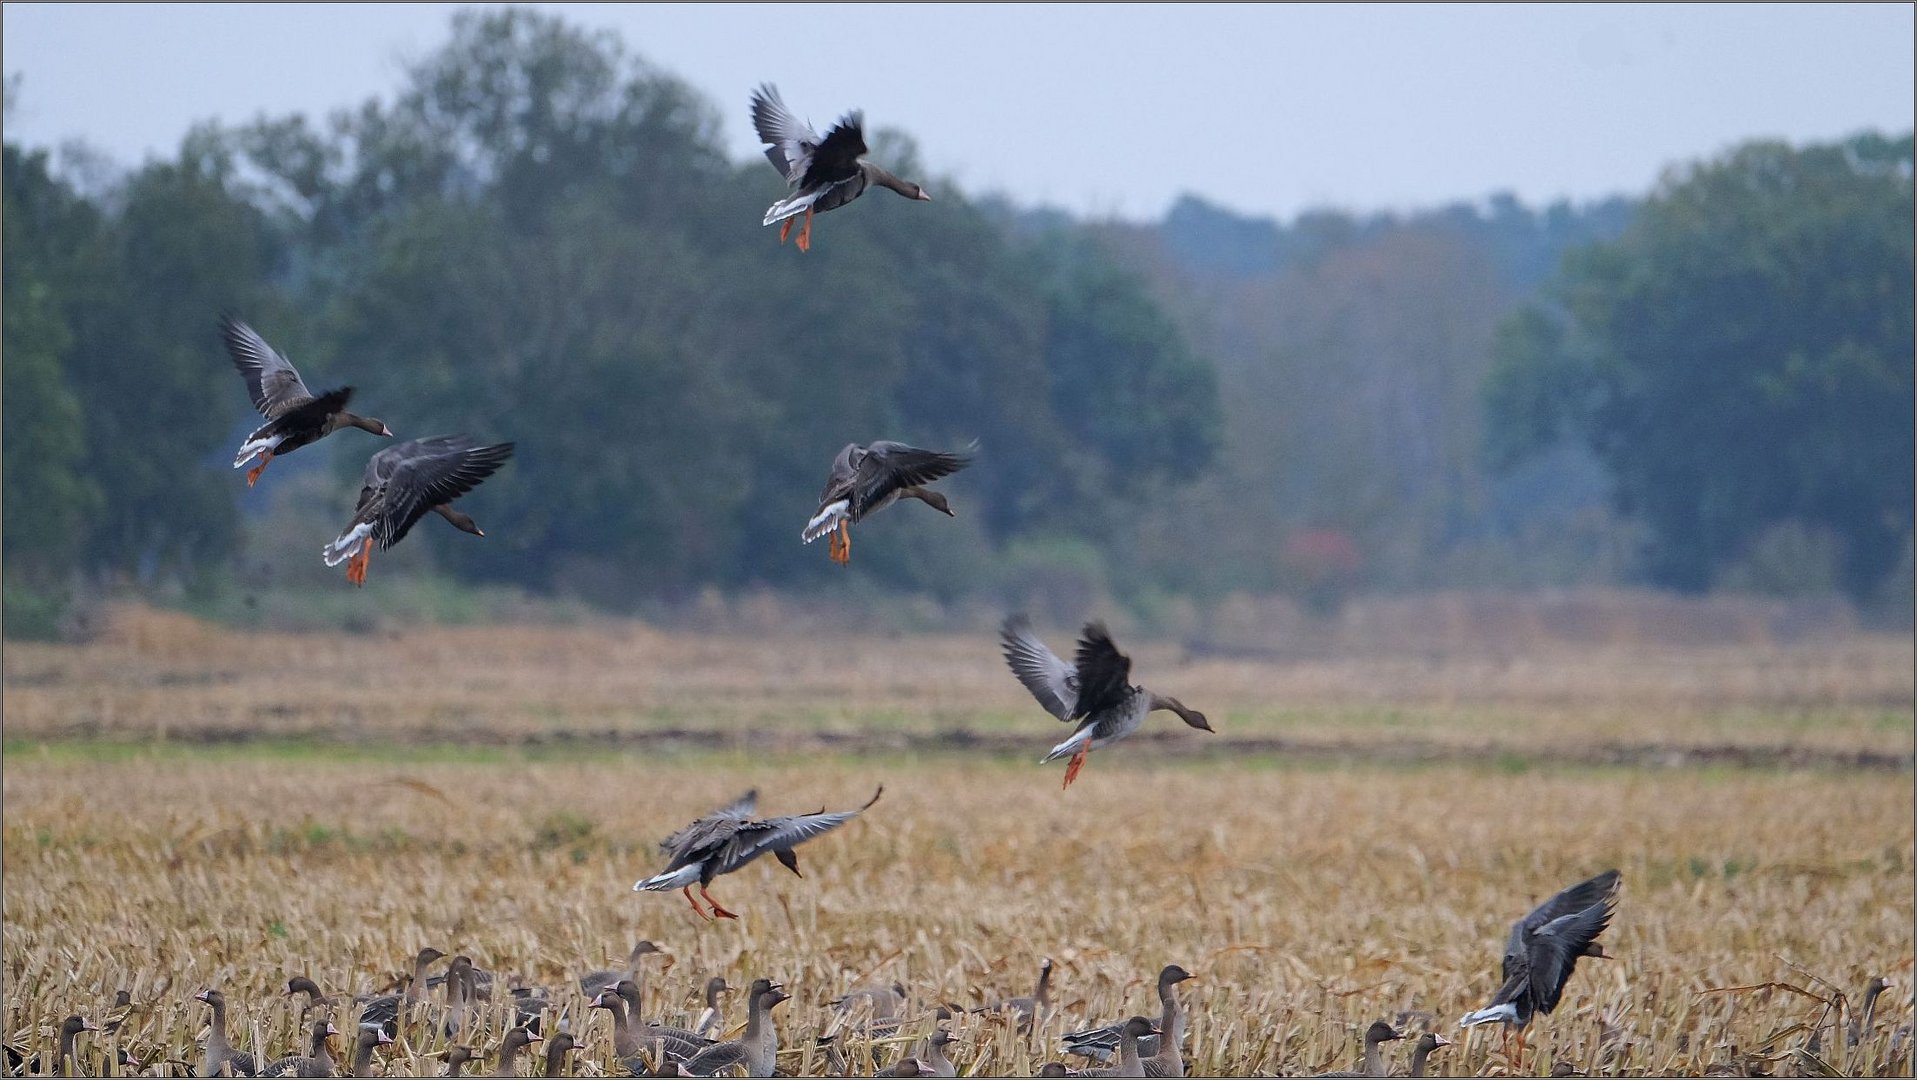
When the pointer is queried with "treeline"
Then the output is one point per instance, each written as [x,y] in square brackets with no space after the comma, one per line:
[540,238]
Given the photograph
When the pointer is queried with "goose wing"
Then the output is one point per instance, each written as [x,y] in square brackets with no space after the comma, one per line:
[888,466]
[844,475]
[271,380]
[836,158]
[1574,899]
[426,479]
[1051,680]
[791,141]
[1556,946]
[1104,673]
[713,829]
[755,838]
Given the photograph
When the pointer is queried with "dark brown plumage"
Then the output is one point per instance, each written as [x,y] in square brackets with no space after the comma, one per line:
[405,482]
[822,173]
[295,416]
[867,479]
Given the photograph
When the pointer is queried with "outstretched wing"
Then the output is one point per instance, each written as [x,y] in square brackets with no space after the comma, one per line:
[889,466]
[425,480]
[1571,900]
[1104,673]
[1556,946]
[845,474]
[791,141]
[715,828]
[271,380]
[1051,680]
[755,838]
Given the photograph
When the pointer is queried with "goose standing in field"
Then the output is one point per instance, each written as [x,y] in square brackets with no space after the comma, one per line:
[1543,949]
[625,1005]
[596,981]
[387,1008]
[867,479]
[1035,1005]
[456,1059]
[515,1041]
[823,174]
[402,484]
[1162,1053]
[713,1019]
[1427,1044]
[220,1054]
[70,1029]
[1095,691]
[315,998]
[1376,1036]
[728,839]
[757,1050]
[557,1048]
[1130,1061]
[369,1039]
[885,1002]
[317,1061]
[295,416]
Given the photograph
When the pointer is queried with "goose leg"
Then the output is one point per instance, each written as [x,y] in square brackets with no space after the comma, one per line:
[843,553]
[832,545]
[695,904]
[1077,763]
[356,569]
[805,235]
[721,912]
[785,230]
[253,474]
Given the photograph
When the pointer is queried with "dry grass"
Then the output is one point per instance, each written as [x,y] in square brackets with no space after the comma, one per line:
[1309,901]
[156,675]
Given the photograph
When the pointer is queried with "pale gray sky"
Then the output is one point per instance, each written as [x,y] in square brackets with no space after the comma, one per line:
[1101,110]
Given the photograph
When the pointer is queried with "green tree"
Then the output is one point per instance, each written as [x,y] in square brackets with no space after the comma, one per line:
[1740,357]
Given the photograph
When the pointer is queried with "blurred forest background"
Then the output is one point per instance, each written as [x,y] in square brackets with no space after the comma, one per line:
[538,238]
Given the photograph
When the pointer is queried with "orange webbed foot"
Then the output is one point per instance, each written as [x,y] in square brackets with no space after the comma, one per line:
[785,230]
[805,235]
[717,909]
[1077,763]
[695,904]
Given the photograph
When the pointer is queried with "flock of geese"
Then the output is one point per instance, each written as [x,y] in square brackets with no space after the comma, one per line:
[404,482]
[1543,948]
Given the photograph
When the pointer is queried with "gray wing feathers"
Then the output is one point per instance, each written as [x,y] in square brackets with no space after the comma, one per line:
[1051,680]
[1556,946]
[771,834]
[715,828]
[888,466]
[271,379]
[791,141]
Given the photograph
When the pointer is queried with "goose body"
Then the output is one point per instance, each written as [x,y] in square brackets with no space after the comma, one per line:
[1095,691]
[729,838]
[318,1061]
[1544,947]
[221,1058]
[757,1051]
[867,479]
[1376,1036]
[1161,1053]
[295,416]
[405,482]
[821,173]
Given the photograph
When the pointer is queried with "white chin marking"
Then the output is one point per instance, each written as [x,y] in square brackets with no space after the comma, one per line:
[822,523]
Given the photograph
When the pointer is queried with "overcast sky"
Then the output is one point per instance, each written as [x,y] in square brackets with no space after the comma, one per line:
[1099,110]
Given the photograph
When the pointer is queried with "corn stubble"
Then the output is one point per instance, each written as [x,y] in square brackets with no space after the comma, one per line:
[1308,903]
